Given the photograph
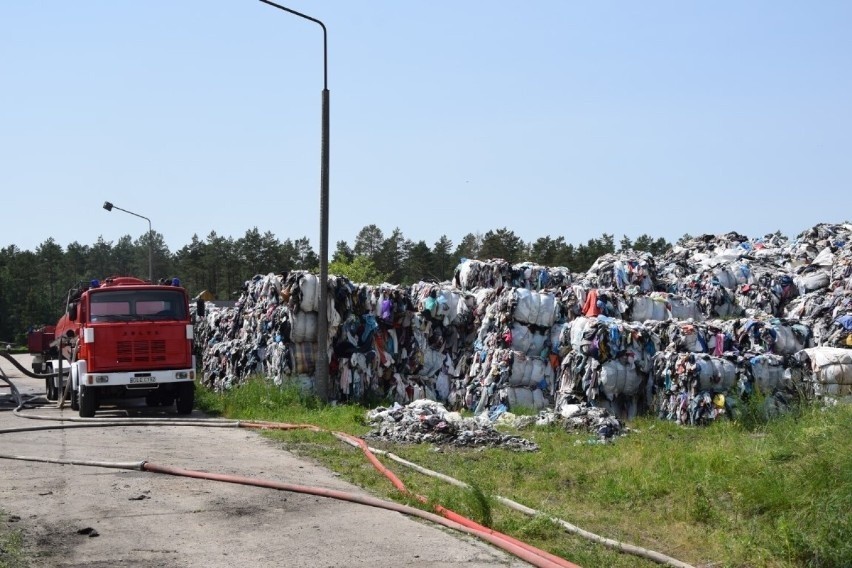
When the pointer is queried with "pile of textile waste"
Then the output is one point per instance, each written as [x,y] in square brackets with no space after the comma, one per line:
[427,421]
[683,336]
[582,418]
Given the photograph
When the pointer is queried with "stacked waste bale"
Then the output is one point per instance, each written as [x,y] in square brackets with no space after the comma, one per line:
[693,386]
[472,273]
[708,367]
[533,276]
[442,324]
[380,340]
[511,363]
[374,341]
[239,341]
[662,306]
[824,372]
[624,270]
[301,291]
[607,362]
[708,271]
[633,333]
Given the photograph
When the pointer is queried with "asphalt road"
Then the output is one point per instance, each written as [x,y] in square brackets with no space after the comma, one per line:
[98,517]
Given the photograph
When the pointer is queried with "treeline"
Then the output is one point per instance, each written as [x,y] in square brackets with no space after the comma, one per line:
[34,284]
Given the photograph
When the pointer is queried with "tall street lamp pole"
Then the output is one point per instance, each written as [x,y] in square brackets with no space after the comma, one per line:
[109,207]
[321,379]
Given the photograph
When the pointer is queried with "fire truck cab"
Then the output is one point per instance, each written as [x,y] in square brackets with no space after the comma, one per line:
[125,338]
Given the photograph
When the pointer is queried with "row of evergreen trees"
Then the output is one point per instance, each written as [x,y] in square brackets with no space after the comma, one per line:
[34,284]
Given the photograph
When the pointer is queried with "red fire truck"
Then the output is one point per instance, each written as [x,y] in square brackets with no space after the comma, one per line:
[120,338]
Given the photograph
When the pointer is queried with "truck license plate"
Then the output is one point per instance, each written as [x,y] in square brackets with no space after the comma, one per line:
[136,380]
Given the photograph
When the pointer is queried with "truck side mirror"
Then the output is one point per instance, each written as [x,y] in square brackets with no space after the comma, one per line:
[199,307]
[72,311]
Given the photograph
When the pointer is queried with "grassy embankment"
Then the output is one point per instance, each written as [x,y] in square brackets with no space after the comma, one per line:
[749,493]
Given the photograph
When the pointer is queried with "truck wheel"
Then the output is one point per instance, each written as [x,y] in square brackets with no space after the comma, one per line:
[75,399]
[88,402]
[51,392]
[185,398]
[50,389]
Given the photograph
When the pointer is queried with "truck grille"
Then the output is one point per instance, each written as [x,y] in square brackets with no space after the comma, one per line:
[141,351]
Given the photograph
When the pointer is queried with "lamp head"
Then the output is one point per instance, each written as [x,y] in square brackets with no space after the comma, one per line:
[107,205]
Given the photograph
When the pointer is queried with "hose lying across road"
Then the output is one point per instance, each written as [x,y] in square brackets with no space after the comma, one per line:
[528,553]
[446,517]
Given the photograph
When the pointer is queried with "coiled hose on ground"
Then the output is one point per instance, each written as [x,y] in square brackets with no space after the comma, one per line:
[446,517]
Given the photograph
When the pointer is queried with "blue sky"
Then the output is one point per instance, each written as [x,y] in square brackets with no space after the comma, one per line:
[447,117]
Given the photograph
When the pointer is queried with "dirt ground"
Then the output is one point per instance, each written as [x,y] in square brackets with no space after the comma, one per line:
[98,517]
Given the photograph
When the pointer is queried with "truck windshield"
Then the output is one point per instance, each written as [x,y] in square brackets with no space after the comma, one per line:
[136,305]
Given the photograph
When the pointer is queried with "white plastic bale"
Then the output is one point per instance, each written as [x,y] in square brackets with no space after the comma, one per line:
[310,293]
[517,377]
[632,381]
[812,282]
[442,386]
[831,365]
[541,373]
[526,309]
[726,277]
[304,327]
[786,342]
[684,309]
[768,373]
[529,371]
[612,379]
[716,374]
[643,309]
[522,372]
[521,337]
[524,397]
[538,399]
[619,378]
[835,390]
[526,341]
[547,311]
[836,375]
[518,397]
[649,308]
[535,308]
[537,343]
[578,328]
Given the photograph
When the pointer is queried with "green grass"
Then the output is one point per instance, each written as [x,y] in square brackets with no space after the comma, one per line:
[11,545]
[755,493]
